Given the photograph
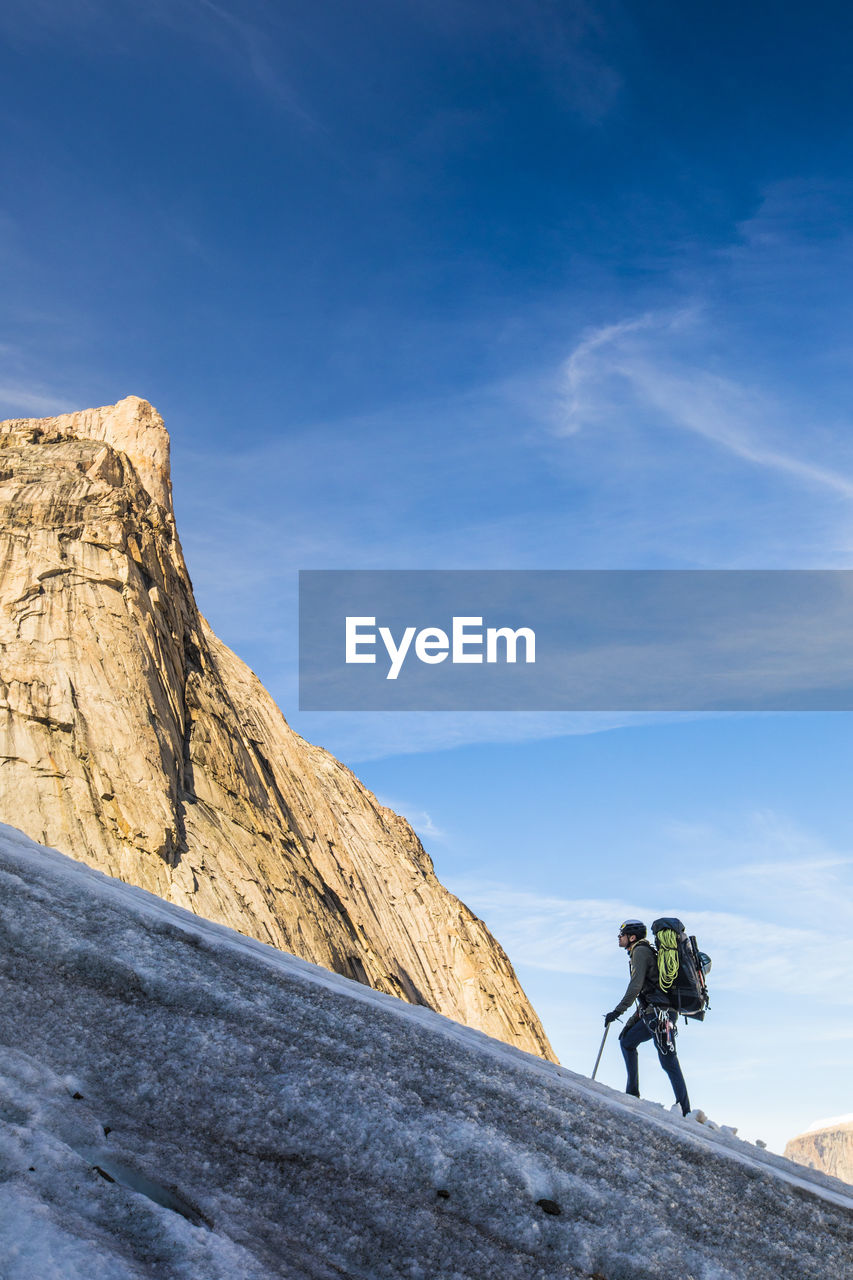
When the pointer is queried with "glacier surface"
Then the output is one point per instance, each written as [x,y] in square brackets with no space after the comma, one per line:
[178,1101]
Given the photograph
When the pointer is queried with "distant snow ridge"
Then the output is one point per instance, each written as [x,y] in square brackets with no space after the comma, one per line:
[181,1102]
[834,1122]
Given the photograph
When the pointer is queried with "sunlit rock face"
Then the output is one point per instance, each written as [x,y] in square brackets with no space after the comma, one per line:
[829,1149]
[134,740]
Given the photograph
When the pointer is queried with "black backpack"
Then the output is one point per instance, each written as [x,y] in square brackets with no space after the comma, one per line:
[681,969]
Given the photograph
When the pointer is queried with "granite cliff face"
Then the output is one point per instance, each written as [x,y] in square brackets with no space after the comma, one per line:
[829,1149]
[134,740]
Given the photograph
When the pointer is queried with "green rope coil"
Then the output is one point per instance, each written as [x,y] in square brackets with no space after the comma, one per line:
[667,941]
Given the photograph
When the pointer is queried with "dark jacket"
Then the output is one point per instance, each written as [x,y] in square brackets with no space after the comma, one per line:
[644,979]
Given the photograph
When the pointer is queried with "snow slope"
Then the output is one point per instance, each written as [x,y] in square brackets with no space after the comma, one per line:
[177,1100]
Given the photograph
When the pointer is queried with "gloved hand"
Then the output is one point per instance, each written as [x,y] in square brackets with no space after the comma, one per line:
[610,1017]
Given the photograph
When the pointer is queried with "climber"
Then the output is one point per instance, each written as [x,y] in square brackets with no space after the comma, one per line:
[652,1019]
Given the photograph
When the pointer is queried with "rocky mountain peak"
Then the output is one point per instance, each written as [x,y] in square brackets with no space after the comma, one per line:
[132,427]
[132,739]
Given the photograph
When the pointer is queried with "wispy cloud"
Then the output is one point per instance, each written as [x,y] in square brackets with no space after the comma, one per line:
[750,954]
[373,735]
[593,358]
[635,363]
[571,45]
[770,865]
[419,819]
[254,44]
[776,926]
[22,401]
[730,416]
[250,37]
[573,936]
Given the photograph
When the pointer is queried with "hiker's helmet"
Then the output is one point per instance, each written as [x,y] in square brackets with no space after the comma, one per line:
[632,929]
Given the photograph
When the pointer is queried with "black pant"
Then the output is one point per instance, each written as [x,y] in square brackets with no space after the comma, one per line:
[638,1034]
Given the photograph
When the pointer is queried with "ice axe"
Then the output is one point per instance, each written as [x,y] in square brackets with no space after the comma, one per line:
[600,1049]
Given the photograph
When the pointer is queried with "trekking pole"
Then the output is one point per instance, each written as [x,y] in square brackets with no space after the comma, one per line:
[600,1050]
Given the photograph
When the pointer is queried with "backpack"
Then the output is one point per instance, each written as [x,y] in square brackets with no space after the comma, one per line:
[681,969]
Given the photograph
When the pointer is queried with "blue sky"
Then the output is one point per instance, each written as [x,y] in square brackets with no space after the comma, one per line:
[506,285]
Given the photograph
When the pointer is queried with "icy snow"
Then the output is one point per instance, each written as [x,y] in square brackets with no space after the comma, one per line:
[177,1101]
[833,1122]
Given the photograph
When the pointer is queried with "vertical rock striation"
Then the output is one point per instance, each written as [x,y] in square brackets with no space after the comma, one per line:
[828,1148]
[134,740]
